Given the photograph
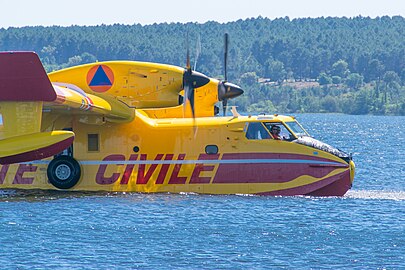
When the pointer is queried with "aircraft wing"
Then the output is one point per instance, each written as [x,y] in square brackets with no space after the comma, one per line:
[25,91]
[70,99]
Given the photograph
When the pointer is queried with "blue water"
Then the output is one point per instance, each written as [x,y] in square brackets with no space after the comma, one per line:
[363,230]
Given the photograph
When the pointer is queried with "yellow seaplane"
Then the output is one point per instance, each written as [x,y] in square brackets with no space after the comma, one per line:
[121,126]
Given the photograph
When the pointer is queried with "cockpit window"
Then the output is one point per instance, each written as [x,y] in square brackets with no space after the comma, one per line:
[256,131]
[296,128]
[283,134]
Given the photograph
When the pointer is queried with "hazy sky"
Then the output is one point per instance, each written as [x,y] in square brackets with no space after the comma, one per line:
[92,12]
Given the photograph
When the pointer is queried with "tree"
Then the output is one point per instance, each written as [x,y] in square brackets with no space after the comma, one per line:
[336,79]
[324,79]
[391,83]
[361,103]
[275,70]
[74,61]
[249,78]
[391,78]
[48,55]
[87,58]
[376,68]
[354,80]
[263,106]
[329,104]
[340,69]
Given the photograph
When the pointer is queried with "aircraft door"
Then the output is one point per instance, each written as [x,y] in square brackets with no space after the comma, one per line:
[68,151]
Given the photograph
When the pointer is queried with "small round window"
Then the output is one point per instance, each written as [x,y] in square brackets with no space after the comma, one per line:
[211,149]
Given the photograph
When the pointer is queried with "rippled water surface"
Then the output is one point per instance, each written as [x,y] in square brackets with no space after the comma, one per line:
[363,230]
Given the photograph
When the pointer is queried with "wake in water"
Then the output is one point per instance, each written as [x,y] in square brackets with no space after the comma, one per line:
[9,195]
[376,195]
[41,195]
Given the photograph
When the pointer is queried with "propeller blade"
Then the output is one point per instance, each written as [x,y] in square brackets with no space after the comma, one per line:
[189,95]
[188,67]
[187,83]
[198,51]
[192,80]
[222,87]
[224,104]
[226,41]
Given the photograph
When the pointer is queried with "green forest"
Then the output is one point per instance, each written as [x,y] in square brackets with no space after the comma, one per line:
[346,65]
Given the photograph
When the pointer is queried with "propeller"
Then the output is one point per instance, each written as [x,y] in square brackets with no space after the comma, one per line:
[227,90]
[191,80]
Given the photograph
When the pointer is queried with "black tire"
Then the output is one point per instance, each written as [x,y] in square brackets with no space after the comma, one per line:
[64,172]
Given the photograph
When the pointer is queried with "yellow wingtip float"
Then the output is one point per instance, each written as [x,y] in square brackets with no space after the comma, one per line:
[121,126]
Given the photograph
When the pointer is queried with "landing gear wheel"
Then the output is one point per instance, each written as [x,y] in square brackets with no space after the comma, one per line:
[64,172]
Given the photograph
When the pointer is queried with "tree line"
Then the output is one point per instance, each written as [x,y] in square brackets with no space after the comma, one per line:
[350,65]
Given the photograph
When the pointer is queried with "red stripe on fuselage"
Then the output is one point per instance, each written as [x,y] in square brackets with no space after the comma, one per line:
[200,168]
[275,156]
[336,185]
[277,172]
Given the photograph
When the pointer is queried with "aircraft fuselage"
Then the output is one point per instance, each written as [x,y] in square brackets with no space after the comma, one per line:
[211,155]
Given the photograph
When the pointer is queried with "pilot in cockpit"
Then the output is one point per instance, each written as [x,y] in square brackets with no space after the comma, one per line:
[275,132]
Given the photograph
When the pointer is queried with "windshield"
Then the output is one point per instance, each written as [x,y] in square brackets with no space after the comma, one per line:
[297,129]
[279,131]
[256,131]
[273,130]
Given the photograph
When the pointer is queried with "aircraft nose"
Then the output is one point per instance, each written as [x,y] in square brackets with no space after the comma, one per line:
[231,91]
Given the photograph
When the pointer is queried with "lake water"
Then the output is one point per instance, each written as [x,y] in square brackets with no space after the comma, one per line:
[363,230]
